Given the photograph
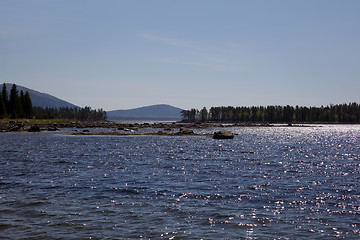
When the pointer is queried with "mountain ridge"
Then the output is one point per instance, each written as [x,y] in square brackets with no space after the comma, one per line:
[151,112]
[40,99]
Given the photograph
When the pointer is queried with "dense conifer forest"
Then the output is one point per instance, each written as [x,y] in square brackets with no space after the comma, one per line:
[18,105]
[80,114]
[341,113]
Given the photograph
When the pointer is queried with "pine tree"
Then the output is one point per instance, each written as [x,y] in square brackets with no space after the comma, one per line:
[22,102]
[14,103]
[2,107]
[5,96]
[27,106]
[203,114]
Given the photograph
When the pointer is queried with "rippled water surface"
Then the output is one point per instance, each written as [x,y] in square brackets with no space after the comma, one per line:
[286,183]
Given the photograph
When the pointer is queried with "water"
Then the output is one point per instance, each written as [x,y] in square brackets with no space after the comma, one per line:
[266,183]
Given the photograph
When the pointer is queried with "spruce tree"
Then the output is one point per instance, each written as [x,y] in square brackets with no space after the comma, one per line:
[2,107]
[27,106]
[22,102]
[14,103]
[5,96]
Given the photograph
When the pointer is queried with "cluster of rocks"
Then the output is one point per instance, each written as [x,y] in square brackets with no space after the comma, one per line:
[223,134]
[171,129]
[37,126]
[14,126]
[19,126]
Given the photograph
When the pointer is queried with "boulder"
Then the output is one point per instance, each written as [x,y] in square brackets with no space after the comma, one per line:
[223,134]
[14,129]
[34,128]
[186,131]
[52,128]
[15,126]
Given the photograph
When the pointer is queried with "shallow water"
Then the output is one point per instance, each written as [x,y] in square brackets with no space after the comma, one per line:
[286,183]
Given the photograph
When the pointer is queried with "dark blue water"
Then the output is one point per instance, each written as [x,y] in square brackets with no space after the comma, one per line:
[266,183]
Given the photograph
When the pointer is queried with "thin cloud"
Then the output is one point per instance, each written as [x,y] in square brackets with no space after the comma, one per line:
[188,45]
[198,55]
[216,65]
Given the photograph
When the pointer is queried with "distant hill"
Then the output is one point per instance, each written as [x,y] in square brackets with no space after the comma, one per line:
[154,112]
[41,99]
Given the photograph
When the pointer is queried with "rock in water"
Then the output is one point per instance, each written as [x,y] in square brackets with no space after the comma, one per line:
[52,128]
[223,134]
[185,131]
[34,128]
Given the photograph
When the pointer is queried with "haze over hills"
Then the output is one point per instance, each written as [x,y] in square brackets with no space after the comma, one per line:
[39,99]
[154,112]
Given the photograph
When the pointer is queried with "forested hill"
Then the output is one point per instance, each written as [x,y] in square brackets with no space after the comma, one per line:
[341,113]
[42,100]
[17,103]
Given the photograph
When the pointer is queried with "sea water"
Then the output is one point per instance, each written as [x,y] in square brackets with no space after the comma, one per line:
[266,183]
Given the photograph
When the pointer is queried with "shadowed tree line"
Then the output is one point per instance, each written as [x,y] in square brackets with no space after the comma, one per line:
[341,113]
[19,105]
[80,114]
[16,105]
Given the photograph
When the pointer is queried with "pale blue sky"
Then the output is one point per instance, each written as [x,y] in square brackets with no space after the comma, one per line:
[125,54]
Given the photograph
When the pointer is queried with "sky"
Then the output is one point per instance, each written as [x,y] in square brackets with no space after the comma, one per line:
[122,54]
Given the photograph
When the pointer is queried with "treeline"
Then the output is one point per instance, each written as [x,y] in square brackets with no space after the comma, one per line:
[80,114]
[342,113]
[19,105]
[16,105]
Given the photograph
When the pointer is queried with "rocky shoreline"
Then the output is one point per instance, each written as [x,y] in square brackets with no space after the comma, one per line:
[43,125]
[37,126]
